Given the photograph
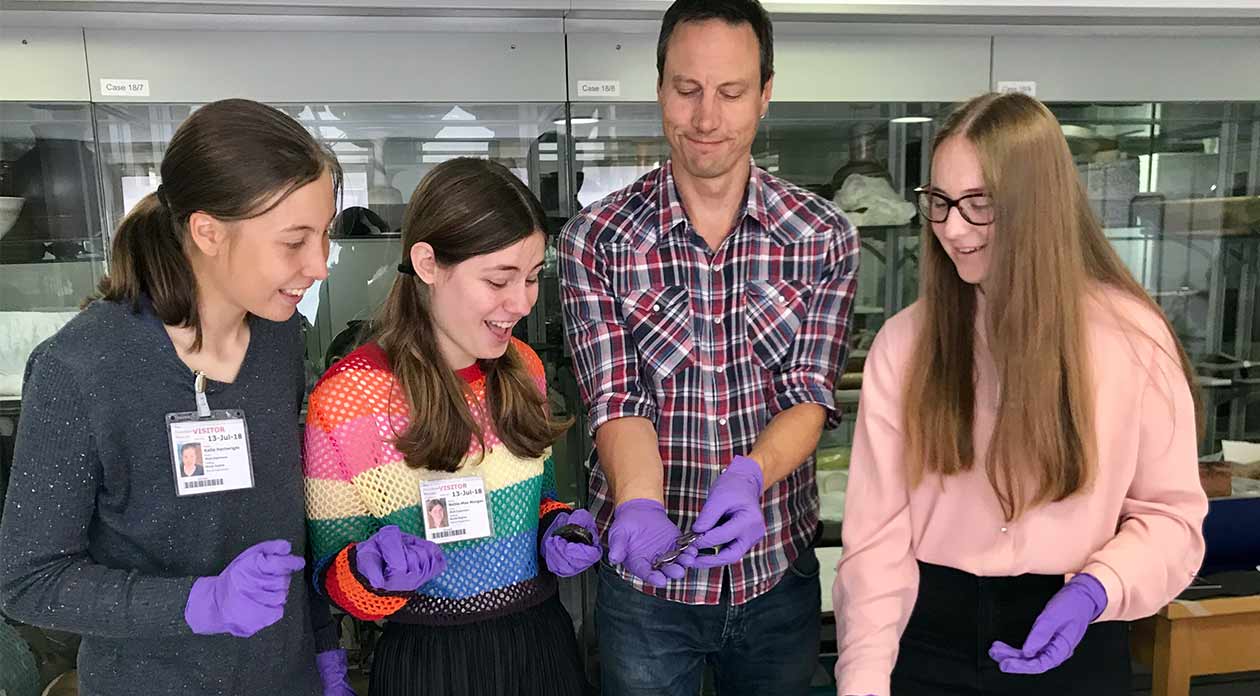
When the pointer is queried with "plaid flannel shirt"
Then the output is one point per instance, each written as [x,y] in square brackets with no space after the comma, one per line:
[709,346]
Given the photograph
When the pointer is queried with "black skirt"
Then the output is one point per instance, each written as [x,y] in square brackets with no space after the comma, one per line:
[957,616]
[530,653]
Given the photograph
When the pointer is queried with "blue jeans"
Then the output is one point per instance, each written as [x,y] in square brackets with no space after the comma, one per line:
[650,646]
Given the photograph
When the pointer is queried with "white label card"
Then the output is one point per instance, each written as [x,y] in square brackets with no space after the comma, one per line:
[209,455]
[123,87]
[1022,86]
[455,509]
[599,88]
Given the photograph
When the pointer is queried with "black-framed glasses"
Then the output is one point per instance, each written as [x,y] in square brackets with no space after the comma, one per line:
[976,208]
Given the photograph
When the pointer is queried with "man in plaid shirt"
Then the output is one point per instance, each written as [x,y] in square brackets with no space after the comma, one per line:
[707,306]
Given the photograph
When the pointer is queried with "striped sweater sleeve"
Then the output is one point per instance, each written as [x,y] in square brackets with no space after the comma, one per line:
[337,517]
[550,504]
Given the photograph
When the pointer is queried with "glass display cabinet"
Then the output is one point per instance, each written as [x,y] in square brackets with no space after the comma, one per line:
[51,238]
[1176,188]
[1175,185]
[52,244]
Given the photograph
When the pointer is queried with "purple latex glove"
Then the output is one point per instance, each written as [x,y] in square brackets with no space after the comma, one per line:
[332,672]
[392,560]
[248,595]
[640,532]
[566,558]
[1057,631]
[732,516]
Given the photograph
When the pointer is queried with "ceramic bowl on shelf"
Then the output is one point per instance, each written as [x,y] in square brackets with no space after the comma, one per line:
[10,208]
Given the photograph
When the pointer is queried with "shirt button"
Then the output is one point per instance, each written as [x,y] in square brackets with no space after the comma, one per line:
[717,267]
[656,308]
[721,369]
[721,421]
[717,320]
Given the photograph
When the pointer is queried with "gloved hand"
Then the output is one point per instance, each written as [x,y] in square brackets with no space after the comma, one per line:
[1058,629]
[248,595]
[566,558]
[640,532]
[332,672]
[731,517]
[392,560]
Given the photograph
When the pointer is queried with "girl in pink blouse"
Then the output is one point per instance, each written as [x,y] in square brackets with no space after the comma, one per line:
[1024,471]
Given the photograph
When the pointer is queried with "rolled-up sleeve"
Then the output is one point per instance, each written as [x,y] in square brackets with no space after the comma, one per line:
[809,373]
[604,356]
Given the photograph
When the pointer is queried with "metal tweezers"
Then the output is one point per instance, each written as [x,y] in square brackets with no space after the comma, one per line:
[681,544]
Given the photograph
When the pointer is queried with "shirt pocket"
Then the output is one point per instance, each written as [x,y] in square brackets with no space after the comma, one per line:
[775,310]
[659,320]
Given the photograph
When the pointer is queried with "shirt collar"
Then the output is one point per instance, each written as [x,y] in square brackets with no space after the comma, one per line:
[673,216]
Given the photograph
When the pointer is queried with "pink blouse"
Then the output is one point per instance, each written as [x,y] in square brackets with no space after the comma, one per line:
[1138,529]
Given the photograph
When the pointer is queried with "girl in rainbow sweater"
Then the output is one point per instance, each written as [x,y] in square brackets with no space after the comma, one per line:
[444,409]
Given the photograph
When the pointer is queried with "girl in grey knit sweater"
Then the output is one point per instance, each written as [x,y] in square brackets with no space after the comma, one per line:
[183,580]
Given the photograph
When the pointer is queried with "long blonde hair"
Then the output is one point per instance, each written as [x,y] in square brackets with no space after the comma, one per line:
[1047,251]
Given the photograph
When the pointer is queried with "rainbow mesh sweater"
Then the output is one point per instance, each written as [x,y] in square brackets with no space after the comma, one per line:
[357,482]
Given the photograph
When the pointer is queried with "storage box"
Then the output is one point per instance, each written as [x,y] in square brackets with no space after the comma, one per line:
[1217,479]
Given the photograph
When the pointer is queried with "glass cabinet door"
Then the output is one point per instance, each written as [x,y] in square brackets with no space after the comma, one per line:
[614,145]
[51,244]
[52,248]
[867,158]
[1175,186]
[384,149]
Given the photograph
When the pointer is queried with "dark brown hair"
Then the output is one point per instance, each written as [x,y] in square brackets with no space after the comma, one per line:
[1047,254]
[734,13]
[463,208]
[233,160]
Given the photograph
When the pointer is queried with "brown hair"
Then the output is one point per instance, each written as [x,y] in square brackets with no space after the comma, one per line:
[1043,447]
[233,160]
[734,13]
[464,207]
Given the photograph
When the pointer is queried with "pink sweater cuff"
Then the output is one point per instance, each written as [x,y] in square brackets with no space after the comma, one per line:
[1114,587]
[860,682]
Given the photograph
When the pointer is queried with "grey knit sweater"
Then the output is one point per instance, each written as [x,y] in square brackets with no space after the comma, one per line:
[94,540]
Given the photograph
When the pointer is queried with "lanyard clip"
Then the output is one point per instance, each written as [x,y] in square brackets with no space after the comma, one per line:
[199,387]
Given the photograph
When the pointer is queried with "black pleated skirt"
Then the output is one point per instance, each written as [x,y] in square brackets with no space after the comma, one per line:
[530,653]
[957,616]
